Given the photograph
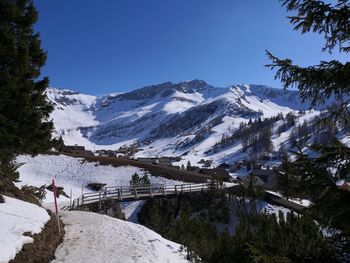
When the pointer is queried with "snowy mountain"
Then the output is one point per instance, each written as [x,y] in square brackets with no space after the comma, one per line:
[170,119]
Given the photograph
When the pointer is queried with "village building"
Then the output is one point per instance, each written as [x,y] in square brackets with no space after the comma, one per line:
[224,166]
[219,173]
[111,153]
[77,149]
[162,161]
[266,178]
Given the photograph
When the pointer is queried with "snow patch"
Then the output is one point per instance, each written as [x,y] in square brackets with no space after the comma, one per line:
[17,218]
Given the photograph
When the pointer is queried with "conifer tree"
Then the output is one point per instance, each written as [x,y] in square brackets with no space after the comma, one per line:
[24,110]
[329,78]
[317,177]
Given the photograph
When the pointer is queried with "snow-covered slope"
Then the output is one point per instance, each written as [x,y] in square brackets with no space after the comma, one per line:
[16,218]
[73,173]
[95,238]
[167,119]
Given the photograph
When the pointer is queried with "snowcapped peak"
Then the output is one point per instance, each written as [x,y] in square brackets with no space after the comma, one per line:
[193,85]
[65,97]
[186,114]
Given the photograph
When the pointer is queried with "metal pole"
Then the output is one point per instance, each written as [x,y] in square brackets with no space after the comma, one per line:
[56,207]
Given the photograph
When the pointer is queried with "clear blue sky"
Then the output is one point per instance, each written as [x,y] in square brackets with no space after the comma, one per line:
[99,47]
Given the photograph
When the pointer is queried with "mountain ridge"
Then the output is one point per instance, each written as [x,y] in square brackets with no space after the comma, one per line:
[188,116]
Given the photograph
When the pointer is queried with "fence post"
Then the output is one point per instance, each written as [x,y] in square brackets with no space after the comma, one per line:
[100,204]
[150,192]
[70,199]
[163,187]
[136,193]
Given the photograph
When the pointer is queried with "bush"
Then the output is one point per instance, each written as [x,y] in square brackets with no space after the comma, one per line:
[96,186]
[137,180]
[38,192]
[59,190]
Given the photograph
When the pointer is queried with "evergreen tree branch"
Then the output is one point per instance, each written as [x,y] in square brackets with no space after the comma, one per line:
[315,83]
[330,20]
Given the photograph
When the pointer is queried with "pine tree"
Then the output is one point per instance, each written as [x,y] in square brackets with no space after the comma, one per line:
[188,166]
[135,179]
[24,110]
[329,78]
[317,177]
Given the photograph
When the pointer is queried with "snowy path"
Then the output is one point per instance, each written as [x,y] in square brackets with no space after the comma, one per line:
[97,238]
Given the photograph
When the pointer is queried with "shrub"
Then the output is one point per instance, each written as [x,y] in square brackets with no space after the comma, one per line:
[38,192]
[96,186]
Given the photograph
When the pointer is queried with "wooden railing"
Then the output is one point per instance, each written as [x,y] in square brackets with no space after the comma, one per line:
[127,193]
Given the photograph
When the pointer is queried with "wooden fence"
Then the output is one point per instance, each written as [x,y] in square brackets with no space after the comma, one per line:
[129,193]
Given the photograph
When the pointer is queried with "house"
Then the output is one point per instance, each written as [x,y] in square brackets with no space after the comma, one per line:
[237,165]
[219,173]
[73,148]
[76,149]
[163,161]
[146,160]
[205,163]
[111,153]
[265,178]
[224,166]
[247,180]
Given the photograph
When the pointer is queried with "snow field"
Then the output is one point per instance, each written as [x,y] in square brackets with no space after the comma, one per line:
[73,173]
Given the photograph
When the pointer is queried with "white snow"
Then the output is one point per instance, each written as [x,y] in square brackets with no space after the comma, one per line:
[109,122]
[97,238]
[131,210]
[300,201]
[17,218]
[73,173]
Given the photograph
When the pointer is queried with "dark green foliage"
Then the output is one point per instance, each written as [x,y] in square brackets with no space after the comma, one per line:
[318,83]
[285,183]
[316,178]
[188,166]
[9,168]
[283,239]
[57,144]
[258,238]
[137,180]
[24,110]
[254,135]
[316,130]
[288,122]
